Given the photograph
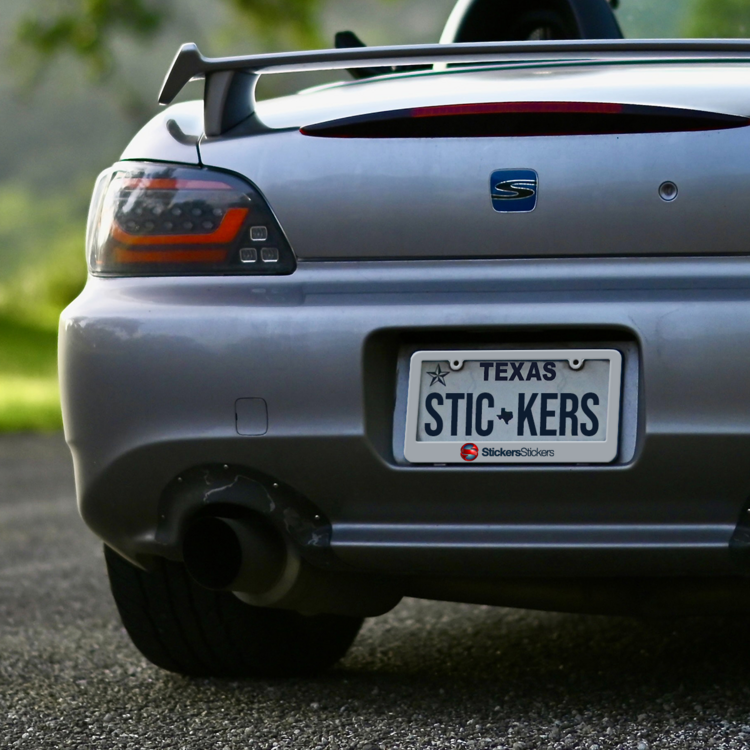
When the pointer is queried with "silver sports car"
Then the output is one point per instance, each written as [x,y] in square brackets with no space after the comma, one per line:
[472,326]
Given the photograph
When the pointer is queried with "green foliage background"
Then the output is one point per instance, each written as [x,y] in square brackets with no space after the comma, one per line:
[41,275]
[719,18]
[82,75]
[82,78]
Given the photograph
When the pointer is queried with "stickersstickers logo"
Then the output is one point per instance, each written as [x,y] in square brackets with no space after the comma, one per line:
[469,452]
[514,190]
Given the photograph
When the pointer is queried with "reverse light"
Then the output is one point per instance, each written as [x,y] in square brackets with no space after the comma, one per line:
[157,219]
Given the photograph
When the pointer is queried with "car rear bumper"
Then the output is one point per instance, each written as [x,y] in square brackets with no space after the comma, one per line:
[151,370]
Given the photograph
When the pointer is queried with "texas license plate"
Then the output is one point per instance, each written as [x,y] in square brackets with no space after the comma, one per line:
[513,406]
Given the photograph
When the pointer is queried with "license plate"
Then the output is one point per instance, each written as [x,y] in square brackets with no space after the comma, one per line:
[513,406]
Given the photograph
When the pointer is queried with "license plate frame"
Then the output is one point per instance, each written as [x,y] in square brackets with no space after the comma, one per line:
[533,451]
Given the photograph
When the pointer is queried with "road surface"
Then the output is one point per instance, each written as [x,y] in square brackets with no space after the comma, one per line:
[427,675]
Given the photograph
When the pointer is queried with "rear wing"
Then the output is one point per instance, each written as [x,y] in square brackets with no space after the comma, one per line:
[229,93]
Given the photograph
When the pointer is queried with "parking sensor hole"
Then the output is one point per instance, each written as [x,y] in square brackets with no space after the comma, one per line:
[668,191]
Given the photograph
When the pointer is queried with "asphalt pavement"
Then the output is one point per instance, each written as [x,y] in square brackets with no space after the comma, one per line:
[427,675]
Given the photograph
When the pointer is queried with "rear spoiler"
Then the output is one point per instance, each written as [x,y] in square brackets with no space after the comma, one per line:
[229,94]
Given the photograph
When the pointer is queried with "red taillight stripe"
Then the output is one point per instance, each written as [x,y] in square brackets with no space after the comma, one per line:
[225,232]
[123,255]
[491,108]
[147,183]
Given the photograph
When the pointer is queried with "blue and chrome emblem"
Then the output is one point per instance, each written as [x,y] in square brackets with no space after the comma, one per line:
[514,190]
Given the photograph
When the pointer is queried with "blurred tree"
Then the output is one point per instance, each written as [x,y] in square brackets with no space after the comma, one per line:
[88,29]
[85,28]
[719,18]
[299,17]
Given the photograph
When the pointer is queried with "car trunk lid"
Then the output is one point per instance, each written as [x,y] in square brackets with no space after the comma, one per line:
[632,129]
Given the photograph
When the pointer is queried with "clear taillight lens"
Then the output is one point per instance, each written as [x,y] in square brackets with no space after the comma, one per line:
[157,219]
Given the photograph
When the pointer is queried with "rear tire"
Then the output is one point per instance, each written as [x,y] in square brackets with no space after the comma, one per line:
[184,628]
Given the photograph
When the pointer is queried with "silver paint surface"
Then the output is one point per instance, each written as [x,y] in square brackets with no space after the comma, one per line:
[180,352]
[151,368]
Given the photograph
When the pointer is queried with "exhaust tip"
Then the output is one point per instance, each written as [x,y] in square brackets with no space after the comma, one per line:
[246,554]
[212,553]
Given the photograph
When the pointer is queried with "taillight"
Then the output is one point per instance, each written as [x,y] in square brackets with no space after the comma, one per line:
[156,219]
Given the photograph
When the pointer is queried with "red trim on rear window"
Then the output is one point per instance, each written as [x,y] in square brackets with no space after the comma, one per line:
[521,119]
[487,108]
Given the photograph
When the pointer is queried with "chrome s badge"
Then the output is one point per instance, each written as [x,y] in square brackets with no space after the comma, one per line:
[514,190]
